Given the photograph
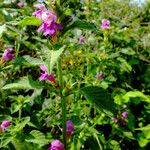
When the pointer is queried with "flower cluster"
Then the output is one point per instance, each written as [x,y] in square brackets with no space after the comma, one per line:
[7,55]
[5,124]
[56,144]
[49,25]
[45,75]
[105,24]
[120,119]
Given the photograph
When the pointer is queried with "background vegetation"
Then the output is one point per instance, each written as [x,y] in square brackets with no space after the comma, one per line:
[120,53]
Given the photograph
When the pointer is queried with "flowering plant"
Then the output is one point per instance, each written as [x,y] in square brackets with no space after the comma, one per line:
[74,75]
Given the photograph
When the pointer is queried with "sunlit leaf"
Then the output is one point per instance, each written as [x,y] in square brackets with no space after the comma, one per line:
[24,83]
[37,137]
[134,94]
[30,21]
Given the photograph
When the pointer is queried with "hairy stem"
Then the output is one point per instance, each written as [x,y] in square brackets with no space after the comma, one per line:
[63,100]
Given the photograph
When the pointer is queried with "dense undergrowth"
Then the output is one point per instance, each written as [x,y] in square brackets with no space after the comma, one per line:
[81,78]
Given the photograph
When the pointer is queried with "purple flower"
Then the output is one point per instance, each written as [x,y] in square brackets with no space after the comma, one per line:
[45,75]
[69,129]
[56,145]
[7,54]
[105,24]
[48,17]
[5,124]
[38,13]
[40,6]
[100,75]
[81,40]
[49,29]
[70,126]
[115,119]
[49,25]
[124,114]
[20,4]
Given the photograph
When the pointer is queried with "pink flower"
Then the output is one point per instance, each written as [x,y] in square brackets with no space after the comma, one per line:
[40,6]
[124,114]
[38,13]
[69,129]
[115,119]
[56,145]
[49,29]
[105,24]
[45,75]
[48,17]
[5,124]
[100,75]
[7,55]
[49,25]
[81,40]
[20,4]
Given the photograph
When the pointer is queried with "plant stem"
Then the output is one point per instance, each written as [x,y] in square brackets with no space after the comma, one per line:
[20,113]
[63,100]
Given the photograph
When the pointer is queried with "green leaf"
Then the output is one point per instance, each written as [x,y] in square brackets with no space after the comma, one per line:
[15,107]
[37,137]
[2,29]
[30,21]
[134,94]
[129,135]
[82,24]
[20,144]
[21,124]
[124,66]
[142,140]
[144,128]
[128,51]
[54,55]
[100,98]
[27,61]
[24,83]
[33,61]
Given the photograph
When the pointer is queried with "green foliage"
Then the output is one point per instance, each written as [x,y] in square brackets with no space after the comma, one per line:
[28,21]
[103,76]
[54,56]
[82,24]
[24,83]
[37,137]
[100,98]
[2,29]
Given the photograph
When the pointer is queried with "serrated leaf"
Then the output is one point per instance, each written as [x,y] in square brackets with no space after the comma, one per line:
[53,57]
[37,137]
[33,61]
[24,83]
[30,21]
[100,98]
